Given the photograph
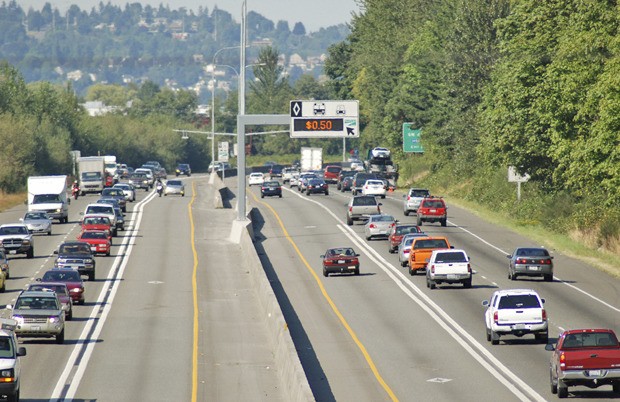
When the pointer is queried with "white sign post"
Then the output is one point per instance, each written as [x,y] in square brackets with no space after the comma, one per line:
[325,119]
[222,155]
[514,177]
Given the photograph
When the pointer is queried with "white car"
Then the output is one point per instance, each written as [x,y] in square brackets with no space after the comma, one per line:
[294,180]
[380,153]
[374,187]
[413,199]
[379,225]
[515,312]
[357,164]
[128,190]
[404,247]
[257,178]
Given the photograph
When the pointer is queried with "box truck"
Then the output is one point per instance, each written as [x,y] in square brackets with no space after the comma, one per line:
[311,159]
[92,174]
[49,194]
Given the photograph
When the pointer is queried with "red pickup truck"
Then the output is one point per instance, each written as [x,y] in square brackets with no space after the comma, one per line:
[586,357]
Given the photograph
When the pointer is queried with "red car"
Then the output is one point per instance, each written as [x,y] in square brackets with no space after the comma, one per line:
[397,233]
[97,222]
[341,259]
[331,173]
[71,277]
[97,239]
[432,209]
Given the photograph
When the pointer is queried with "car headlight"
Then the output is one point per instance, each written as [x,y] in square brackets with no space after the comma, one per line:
[19,319]
[26,242]
[58,210]
[54,319]
[88,261]
[76,290]
[8,375]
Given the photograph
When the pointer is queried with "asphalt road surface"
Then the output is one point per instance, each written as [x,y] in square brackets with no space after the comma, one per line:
[383,335]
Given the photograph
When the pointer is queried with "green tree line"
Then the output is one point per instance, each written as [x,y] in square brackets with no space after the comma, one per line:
[496,83]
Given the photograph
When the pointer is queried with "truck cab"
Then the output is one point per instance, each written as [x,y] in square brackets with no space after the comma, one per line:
[10,360]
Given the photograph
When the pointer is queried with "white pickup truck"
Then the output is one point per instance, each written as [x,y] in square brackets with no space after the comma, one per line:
[448,266]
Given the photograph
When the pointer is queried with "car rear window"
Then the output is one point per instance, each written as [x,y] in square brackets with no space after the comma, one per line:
[359,201]
[532,252]
[433,204]
[407,229]
[518,301]
[333,169]
[430,243]
[451,257]
[589,339]
[419,193]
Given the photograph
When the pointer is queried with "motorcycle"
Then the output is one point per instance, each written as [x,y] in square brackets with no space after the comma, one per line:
[75,192]
[160,188]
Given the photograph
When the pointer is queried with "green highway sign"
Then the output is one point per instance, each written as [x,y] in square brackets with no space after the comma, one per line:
[411,138]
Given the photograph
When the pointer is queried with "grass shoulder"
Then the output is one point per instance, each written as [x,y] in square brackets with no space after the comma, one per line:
[8,201]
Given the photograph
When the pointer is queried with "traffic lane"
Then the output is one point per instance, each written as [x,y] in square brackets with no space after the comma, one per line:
[566,307]
[385,319]
[43,354]
[144,349]
[485,239]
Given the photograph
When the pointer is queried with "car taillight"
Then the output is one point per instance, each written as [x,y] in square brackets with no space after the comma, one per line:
[547,262]
[366,187]
[562,361]
[350,209]
[495,317]
[521,261]
[433,269]
[469,268]
[406,250]
[378,209]
[372,226]
[544,315]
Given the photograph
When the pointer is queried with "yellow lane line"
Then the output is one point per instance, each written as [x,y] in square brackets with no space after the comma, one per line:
[195,297]
[344,322]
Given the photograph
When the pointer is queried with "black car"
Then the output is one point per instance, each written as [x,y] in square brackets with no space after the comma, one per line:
[183,168]
[317,186]
[346,184]
[76,255]
[117,194]
[271,188]
[343,175]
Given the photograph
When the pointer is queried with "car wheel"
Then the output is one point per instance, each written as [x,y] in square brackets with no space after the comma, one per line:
[357,271]
[412,272]
[262,196]
[494,338]
[81,302]
[616,387]
[349,221]
[562,390]
[368,237]
[60,338]
[467,283]
[30,253]
[542,337]
[327,193]
[406,213]
[511,275]
[488,333]
[7,276]
[280,195]
[91,276]
[444,222]
[430,283]
[383,197]
[107,254]
[549,278]
[419,221]
[3,288]
[69,316]
[49,233]
[325,273]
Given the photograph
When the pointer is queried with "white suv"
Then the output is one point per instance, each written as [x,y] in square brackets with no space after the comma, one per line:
[515,312]
[413,199]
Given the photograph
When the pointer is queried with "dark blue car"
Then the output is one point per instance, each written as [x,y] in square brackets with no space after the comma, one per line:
[271,188]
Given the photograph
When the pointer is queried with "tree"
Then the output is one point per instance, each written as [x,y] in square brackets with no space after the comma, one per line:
[299,29]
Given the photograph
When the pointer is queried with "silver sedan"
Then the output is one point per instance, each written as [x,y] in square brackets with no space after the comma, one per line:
[404,248]
[175,187]
[379,226]
[38,222]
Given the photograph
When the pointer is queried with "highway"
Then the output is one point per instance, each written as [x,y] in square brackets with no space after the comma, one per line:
[381,335]
[387,336]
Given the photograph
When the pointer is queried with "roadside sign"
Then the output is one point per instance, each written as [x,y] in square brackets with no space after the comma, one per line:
[222,151]
[325,119]
[411,138]
[514,177]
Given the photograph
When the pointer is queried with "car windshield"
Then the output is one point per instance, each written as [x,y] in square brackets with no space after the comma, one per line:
[518,301]
[74,248]
[35,215]
[14,230]
[91,176]
[58,289]
[36,303]
[112,192]
[62,276]
[174,183]
[6,348]
[46,198]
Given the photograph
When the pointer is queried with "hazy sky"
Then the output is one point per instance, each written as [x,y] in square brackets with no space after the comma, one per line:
[314,14]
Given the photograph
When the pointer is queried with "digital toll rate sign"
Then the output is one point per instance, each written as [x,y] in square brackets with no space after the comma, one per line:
[324,119]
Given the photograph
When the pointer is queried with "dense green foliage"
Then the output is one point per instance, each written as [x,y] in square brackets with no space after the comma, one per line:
[109,43]
[492,84]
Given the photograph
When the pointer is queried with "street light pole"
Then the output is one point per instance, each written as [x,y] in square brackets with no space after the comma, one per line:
[241,213]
